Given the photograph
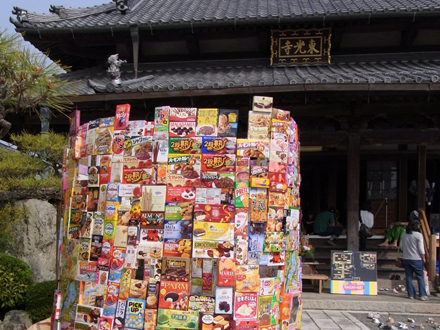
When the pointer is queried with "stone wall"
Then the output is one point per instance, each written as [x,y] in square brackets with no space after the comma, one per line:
[35,239]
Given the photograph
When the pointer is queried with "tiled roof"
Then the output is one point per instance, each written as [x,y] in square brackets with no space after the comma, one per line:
[225,75]
[154,13]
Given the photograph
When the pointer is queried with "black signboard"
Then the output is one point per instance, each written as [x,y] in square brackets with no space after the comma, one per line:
[300,47]
[354,266]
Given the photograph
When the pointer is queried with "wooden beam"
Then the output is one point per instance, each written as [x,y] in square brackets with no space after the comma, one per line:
[353,171]
[403,190]
[402,136]
[421,187]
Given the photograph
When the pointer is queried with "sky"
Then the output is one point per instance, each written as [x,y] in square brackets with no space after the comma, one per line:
[38,6]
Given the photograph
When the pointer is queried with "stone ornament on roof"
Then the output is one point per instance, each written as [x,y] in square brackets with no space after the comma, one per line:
[22,14]
[121,5]
[113,70]
[59,10]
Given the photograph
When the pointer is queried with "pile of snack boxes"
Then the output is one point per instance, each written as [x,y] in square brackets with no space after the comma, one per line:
[177,224]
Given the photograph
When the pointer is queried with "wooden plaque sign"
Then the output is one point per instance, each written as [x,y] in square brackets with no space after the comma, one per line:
[300,47]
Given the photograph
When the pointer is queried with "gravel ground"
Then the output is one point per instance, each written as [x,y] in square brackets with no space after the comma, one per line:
[421,321]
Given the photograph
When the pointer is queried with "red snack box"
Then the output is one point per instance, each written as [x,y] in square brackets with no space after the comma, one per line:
[245,305]
[226,272]
[174,295]
[219,163]
[182,129]
[122,116]
[180,194]
[214,213]
[246,325]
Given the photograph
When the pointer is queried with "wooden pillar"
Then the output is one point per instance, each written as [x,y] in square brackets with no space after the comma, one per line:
[353,172]
[332,176]
[403,190]
[421,197]
[432,258]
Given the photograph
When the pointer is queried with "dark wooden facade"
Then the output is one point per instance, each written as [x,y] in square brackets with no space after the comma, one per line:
[346,123]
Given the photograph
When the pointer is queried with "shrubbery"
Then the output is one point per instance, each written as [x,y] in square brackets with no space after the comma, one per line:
[39,300]
[15,279]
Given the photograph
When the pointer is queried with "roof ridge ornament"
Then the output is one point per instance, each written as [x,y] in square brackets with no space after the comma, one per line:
[59,10]
[122,6]
[22,14]
[113,70]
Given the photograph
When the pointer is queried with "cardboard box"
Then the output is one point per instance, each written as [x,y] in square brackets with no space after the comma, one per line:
[242,195]
[215,179]
[224,300]
[208,195]
[116,264]
[223,163]
[259,125]
[180,194]
[242,247]
[174,247]
[151,250]
[103,141]
[274,242]
[174,295]
[214,213]
[176,269]
[247,278]
[202,304]
[153,198]
[179,211]
[219,145]
[120,239]
[258,204]
[212,249]
[262,104]
[134,317]
[161,122]
[182,129]
[254,148]
[150,319]
[227,122]
[178,229]
[177,319]
[186,145]
[150,235]
[280,126]
[213,231]
[111,299]
[154,220]
[184,170]
[207,122]
[226,272]
[183,114]
[245,305]
[124,284]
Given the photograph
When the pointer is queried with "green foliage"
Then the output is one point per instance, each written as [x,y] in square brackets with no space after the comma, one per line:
[35,166]
[15,280]
[10,214]
[27,81]
[39,300]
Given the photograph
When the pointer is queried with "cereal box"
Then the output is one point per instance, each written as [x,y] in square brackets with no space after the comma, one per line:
[262,104]
[227,122]
[185,145]
[150,317]
[177,319]
[259,125]
[180,194]
[214,213]
[176,269]
[218,163]
[258,204]
[253,148]
[153,198]
[174,295]
[226,272]
[274,242]
[245,305]
[111,299]
[183,114]
[174,247]
[208,195]
[224,299]
[152,220]
[207,118]
[213,249]
[134,317]
[203,304]
[178,229]
[219,145]
[161,122]
[179,211]
[213,231]
[182,129]
[247,278]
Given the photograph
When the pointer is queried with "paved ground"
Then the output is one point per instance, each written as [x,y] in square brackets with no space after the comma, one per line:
[337,320]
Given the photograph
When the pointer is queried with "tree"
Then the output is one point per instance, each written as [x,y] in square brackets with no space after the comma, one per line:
[28,81]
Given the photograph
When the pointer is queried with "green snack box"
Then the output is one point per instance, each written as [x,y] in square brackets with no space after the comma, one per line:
[169,318]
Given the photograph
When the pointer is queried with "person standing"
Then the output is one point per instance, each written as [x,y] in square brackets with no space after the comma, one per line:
[411,243]
[325,225]
[367,219]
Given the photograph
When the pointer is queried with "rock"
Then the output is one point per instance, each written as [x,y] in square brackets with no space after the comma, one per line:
[16,320]
[35,239]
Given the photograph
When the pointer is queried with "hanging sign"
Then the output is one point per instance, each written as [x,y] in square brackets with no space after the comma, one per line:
[300,47]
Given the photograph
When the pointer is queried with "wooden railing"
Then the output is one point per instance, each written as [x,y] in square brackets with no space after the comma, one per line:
[430,244]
